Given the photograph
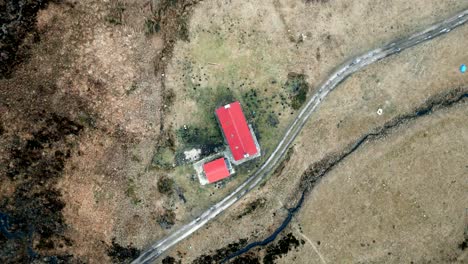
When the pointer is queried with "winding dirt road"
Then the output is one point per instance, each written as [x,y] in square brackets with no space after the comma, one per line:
[342,72]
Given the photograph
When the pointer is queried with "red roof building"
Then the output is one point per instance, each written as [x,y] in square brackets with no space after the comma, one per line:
[236,132]
[216,170]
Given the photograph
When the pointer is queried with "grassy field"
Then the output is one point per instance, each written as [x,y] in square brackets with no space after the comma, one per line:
[267,58]
[396,85]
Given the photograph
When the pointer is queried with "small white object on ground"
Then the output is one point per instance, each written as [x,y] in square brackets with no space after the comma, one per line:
[380,111]
[192,155]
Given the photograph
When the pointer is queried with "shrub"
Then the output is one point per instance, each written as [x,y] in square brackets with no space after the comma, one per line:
[167,219]
[297,87]
[151,27]
[166,185]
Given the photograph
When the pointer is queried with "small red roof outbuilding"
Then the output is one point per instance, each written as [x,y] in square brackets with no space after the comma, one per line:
[216,170]
[236,131]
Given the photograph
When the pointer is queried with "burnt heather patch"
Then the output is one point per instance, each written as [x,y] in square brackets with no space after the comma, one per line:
[35,209]
[282,247]
[221,253]
[41,125]
[120,254]
[462,246]
[265,255]
[18,21]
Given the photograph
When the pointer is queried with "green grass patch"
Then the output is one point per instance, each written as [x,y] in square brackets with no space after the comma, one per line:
[164,157]
[257,109]
[204,133]
[297,88]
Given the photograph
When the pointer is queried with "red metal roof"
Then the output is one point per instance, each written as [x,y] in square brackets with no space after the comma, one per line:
[236,131]
[216,170]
